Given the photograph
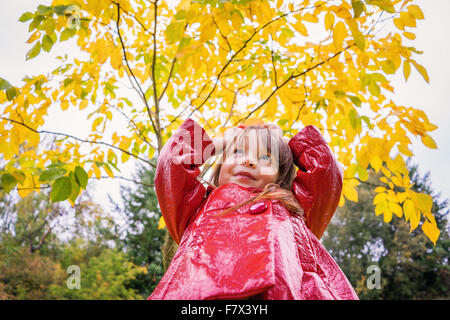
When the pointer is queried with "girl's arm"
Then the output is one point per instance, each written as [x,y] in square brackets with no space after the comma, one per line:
[177,188]
[318,182]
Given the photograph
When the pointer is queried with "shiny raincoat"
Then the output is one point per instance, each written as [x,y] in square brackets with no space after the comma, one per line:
[260,250]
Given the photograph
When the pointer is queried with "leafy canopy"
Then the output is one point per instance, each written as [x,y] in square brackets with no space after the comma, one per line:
[154,63]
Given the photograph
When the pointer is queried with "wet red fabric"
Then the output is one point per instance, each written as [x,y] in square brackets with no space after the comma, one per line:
[260,249]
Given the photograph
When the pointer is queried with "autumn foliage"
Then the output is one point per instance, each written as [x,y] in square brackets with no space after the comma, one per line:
[154,63]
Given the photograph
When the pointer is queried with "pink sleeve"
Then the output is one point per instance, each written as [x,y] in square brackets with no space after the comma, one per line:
[318,182]
[177,188]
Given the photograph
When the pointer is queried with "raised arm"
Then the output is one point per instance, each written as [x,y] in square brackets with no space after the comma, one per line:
[318,182]
[177,188]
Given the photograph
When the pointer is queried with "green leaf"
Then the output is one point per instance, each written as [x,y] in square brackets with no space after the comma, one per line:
[75,188]
[175,31]
[366,80]
[47,43]
[367,121]
[67,33]
[378,77]
[11,93]
[61,189]
[4,84]
[385,5]
[60,10]
[43,10]
[34,51]
[359,38]
[81,177]
[19,175]
[8,182]
[180,15]
[355,100]
[339,94]
[51,174]
[26,16]
[358,8]
[374,89]
[353,118]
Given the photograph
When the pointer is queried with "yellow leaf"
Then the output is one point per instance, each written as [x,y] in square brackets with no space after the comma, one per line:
[376,163]
[416,12]
[379,198]
[34,36]
[310,18]
[399,23]
[208,31]
[83,104]
[339,34]
[236,20]
[431,231]
[64,105]
[351,193]
[428,141]
[396,209]
[381,208]
[408,19]
[387,216]
[300,27]
[108,171]
[404,150]
[424,202]
[329,21]
[97,172]
[414,219]
[161,223]
[409,35]
[421,70]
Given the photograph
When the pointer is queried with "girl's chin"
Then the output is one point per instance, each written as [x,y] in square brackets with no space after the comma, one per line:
[244,181]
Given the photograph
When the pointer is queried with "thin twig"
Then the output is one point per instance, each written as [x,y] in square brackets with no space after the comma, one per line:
[293,76]
[142,94]
[78,139]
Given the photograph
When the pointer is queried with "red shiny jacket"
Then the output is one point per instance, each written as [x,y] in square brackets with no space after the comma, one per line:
[260,249]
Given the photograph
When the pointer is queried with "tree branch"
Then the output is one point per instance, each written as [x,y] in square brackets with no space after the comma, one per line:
[142,94]
[293,76]
[155,94]
[78,139]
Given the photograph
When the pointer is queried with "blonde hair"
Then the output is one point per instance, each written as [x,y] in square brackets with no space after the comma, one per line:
[281,189]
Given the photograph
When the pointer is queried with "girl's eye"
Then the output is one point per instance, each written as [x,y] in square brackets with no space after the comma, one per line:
[265,157]
[237,151]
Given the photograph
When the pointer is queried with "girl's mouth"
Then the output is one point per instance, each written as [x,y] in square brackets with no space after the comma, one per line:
[244,175]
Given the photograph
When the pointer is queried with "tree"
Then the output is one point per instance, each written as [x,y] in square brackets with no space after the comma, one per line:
[141,239]
[410,266]
[24,275]
[105,273]
[322,63]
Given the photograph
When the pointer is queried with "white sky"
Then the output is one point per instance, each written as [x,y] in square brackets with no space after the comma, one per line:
[433,98]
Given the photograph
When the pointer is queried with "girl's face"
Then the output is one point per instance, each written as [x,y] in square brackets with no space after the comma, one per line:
[249,163]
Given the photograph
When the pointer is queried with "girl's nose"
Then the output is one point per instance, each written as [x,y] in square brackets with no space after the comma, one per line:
[249,163]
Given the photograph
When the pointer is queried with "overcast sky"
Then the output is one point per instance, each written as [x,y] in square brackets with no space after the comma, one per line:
[433,98]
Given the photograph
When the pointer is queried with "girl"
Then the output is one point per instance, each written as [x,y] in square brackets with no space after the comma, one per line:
[253,233]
